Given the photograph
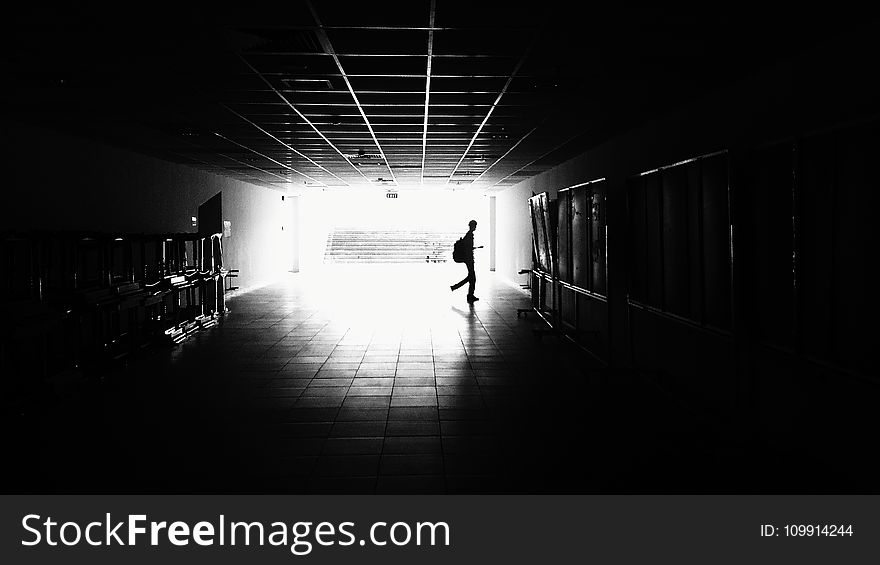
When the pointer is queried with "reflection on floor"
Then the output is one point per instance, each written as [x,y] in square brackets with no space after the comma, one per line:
[373,379]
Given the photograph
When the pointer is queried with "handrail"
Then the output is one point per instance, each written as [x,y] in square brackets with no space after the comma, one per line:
[583,291]
[680,319]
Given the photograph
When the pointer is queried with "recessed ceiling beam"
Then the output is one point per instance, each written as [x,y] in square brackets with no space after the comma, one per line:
[264,156]
[506,153]
[393,28]
[291,148]
[407,55]
[301,115]
[533,161]
[519,64]
[225,156]
[428,89]
[328,47]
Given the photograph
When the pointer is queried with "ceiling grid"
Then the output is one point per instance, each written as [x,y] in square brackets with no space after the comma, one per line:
[415,94]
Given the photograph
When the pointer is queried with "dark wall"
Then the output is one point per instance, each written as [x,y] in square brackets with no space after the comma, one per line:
[739,282]
[65,182]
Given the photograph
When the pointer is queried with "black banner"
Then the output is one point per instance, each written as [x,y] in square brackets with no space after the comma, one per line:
[439,529]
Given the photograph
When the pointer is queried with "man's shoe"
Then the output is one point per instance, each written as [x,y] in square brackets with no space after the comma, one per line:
[472,298]
[452,287]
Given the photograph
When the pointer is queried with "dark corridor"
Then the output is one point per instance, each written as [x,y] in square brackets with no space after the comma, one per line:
[287,396]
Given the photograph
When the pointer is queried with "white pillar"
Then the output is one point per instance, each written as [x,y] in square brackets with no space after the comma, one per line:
[294,227]
[492,224]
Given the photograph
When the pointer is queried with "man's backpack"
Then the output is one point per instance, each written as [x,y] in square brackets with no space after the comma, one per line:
[459,251]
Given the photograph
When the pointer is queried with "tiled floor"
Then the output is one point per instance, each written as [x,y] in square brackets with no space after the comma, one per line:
[370,380]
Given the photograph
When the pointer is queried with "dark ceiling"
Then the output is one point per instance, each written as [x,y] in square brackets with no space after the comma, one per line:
[415,93]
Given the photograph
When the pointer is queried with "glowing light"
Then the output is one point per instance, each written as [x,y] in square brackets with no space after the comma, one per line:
[417,210]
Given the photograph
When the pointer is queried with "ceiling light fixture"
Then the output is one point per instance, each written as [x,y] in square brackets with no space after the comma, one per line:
[323,84]
[361,156]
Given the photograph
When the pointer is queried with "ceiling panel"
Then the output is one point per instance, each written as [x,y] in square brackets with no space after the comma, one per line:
[338,93]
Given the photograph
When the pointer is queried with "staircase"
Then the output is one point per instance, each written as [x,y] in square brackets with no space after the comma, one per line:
[365,245]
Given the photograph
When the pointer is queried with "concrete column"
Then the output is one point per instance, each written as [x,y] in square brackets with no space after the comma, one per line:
[492,224]
[294,231]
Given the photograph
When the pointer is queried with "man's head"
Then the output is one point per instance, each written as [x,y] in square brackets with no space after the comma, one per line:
[472,225]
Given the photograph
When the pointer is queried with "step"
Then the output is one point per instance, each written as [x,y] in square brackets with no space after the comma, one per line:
[366,245]
[383,261]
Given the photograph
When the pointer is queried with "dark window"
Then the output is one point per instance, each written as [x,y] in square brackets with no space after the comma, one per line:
[679,240]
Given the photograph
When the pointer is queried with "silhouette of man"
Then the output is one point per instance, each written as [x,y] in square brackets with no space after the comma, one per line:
[471,277]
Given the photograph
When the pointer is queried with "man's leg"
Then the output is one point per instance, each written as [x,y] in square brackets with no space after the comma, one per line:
[472,279]
[462,282]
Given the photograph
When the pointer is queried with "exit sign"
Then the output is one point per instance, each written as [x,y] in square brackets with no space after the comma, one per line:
[390,195]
